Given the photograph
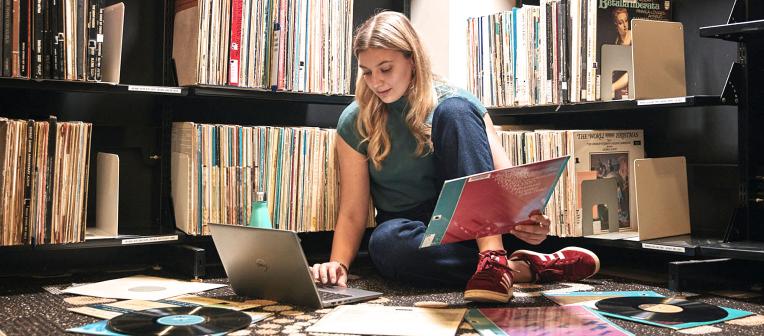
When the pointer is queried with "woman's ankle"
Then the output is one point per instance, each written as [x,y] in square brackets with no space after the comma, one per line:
[522,271]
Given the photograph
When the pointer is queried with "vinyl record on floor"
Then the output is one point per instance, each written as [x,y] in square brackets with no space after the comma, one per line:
[179,321]
[661,309]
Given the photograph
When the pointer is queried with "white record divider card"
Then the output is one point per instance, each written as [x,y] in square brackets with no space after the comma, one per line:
[107,198]
[107,205]
[113,28]
[141,287]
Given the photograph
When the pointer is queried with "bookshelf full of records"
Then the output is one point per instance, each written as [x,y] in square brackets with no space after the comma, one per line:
[200,173]
[533,55]
[44,181]
[550,54]
[52,39]
[290,45]
[216,169]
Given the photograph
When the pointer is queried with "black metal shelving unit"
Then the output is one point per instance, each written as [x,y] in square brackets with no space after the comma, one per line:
[744,236]
[135,121]
[747,31]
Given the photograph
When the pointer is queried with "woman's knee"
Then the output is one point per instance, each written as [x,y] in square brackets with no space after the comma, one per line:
[395,235]
[454,111]
[393,242]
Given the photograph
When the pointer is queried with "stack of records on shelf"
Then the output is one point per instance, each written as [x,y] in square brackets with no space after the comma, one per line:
[52,39]
[217,168]
[292,45]
[44,181]
[550,54]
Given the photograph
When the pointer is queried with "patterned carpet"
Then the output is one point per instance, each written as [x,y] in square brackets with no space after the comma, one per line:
[35,307]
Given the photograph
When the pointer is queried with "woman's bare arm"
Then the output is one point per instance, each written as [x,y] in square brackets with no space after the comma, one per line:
[352,217]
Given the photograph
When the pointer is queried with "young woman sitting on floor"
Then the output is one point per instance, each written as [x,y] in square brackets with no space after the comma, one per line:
[404,135]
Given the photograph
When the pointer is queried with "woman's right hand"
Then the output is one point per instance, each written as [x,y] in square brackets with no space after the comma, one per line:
[330,273]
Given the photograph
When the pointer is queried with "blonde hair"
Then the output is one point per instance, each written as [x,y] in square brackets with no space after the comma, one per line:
[393,31]
[618,10]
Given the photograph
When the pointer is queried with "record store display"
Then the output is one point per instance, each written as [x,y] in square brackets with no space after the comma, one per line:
[179,321]
[661,309]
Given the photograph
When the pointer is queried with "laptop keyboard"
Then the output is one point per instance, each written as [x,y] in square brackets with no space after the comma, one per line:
[326,296]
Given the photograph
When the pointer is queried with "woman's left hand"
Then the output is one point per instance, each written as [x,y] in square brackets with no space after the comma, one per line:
[533,231]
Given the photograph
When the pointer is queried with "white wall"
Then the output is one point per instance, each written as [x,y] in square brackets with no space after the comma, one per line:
[427,16]
[442,26]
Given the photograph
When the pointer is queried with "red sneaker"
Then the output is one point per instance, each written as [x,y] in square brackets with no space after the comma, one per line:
[568,264]
[492,282]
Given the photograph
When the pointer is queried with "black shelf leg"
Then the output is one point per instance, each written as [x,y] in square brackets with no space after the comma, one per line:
[738,12]
[185,260]
[732,231]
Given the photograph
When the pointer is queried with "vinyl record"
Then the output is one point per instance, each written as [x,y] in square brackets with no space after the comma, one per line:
[179,321]
[662,310]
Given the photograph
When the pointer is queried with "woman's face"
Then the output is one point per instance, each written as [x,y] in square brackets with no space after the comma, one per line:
[386,72]
[622,23]
[623,169]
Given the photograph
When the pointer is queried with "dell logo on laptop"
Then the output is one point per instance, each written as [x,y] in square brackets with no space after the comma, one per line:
[262,264]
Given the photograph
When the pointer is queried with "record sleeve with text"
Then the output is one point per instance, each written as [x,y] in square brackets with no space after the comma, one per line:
[604,154]
[613,22]
[493,202]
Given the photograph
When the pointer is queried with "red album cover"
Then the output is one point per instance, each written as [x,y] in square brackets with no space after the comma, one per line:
[493,202]
[542,321]
[235,52]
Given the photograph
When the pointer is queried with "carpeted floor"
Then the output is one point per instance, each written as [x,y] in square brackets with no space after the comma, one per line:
[33,307]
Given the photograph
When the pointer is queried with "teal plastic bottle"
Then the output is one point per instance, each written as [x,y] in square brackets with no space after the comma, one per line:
[260,217]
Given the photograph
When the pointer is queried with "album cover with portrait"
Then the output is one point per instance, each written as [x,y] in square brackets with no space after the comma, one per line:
[614,27]
[606,154]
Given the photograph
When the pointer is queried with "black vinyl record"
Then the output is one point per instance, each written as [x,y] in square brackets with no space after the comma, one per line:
[179,321]
[672,311]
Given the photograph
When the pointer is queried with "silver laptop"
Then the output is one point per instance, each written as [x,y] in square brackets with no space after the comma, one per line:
[270,264]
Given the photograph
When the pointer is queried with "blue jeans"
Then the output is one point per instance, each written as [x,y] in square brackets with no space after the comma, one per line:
[460,146]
